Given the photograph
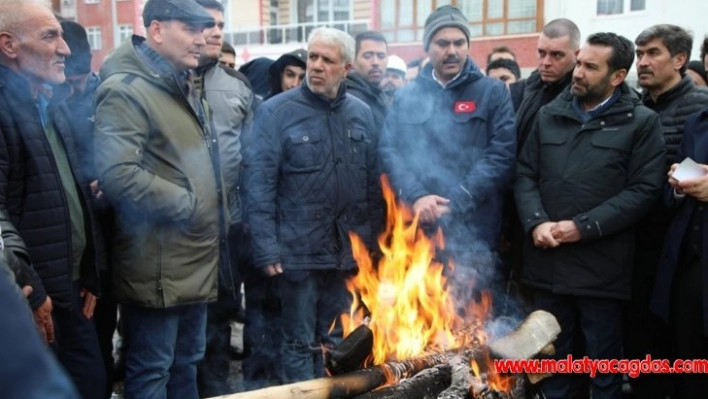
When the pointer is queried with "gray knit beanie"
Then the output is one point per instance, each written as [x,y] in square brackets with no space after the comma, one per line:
[444,17]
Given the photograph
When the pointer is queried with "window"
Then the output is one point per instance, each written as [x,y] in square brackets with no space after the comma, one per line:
[320,12]
[124,32]
[404,20]
[613,7]
[94,37]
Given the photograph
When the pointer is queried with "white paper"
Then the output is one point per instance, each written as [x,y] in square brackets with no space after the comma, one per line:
[688,169]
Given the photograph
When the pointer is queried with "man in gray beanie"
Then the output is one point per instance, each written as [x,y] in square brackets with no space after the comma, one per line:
[448,146]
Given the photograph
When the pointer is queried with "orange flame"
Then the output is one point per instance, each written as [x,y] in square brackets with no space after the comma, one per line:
[410,307]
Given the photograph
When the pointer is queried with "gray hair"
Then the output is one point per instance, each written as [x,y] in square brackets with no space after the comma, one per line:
[12,13]
[563,27]
[335,37]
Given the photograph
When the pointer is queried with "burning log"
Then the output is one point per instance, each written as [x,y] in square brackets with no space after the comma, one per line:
[429,382]
[461,380]
[533,335]
[351,384]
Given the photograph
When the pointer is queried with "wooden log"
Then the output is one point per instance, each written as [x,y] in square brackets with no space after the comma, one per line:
[461,380]
[351,384]
[532,336]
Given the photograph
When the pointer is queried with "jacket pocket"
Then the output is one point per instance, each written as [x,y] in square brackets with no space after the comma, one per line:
[305,230]
[611,140]
[303,152]
[358,146]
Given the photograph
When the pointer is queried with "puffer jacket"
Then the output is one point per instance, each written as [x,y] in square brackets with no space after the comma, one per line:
[310,180]
[457,142]
[155,165]
[674,107]
[34,217]
[604,175]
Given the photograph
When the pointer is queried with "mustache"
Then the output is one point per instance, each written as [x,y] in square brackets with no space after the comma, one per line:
[451,59]
[643,70]
[376,69]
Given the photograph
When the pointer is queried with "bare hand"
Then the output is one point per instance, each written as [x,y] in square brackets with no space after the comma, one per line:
[696,188]
[27,290]
[89,303]
[431,208]
[673,182]
[43,318]
[95,191]
[273,270]
[542,236]
[565,232]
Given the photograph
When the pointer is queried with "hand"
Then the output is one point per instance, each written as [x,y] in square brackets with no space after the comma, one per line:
[43,318]
[27,290]
[95,191]
[673,182]
[273,270]
[89,303]
[542,236]
[696,188]
[431,207]
[566,232]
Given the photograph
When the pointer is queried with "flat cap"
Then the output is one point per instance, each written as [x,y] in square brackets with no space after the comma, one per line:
[187,11]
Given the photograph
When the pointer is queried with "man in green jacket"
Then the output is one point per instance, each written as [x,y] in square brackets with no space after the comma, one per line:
[155,165]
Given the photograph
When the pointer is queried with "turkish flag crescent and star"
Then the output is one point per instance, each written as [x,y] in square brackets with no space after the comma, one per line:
[464,107]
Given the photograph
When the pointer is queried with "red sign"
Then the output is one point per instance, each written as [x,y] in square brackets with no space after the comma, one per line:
[465,107]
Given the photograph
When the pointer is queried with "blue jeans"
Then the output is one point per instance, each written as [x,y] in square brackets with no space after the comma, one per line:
[164,347]
[597,322]
[311,302]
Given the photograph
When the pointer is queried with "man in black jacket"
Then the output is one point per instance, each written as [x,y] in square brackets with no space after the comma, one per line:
[593,166]
[369,67]
[556,50]
[44,194]
[310,180]
[663,52]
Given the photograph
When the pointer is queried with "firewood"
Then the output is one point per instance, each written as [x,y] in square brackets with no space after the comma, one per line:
[532,336]
[461,380]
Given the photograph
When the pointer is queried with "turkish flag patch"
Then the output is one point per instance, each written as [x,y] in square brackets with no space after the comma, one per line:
[465,107]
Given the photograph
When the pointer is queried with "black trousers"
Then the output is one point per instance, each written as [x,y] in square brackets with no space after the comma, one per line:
[687,326]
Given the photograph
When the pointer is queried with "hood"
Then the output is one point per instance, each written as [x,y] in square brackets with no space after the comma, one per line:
[275,71]
[257,73]
[126,60]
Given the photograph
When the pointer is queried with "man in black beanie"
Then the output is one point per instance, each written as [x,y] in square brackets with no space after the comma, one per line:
[448,146]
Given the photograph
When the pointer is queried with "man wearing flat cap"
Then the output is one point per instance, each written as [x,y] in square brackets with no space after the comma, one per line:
[154,155]
[449,145]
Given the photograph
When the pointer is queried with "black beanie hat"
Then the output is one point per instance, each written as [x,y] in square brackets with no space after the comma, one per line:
[699,68]
[444,17]
[79,62]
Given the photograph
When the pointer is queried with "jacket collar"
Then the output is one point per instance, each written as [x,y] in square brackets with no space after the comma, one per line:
[563,104]
[355,80]
[320,101]
[470,73]
[684,86]
[17,84]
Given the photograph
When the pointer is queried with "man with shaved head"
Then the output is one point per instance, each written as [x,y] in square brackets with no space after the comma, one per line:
[45,206]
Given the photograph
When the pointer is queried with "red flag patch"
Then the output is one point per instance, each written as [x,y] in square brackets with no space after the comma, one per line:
[465,107]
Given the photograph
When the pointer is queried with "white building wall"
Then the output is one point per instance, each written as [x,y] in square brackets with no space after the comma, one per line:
[689,14]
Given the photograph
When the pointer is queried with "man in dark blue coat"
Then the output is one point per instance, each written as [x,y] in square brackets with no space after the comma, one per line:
[310,180]
[680,296]
[45,198]
[449,148]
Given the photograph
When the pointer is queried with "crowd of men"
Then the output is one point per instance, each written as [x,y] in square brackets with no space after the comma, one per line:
[156,188]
